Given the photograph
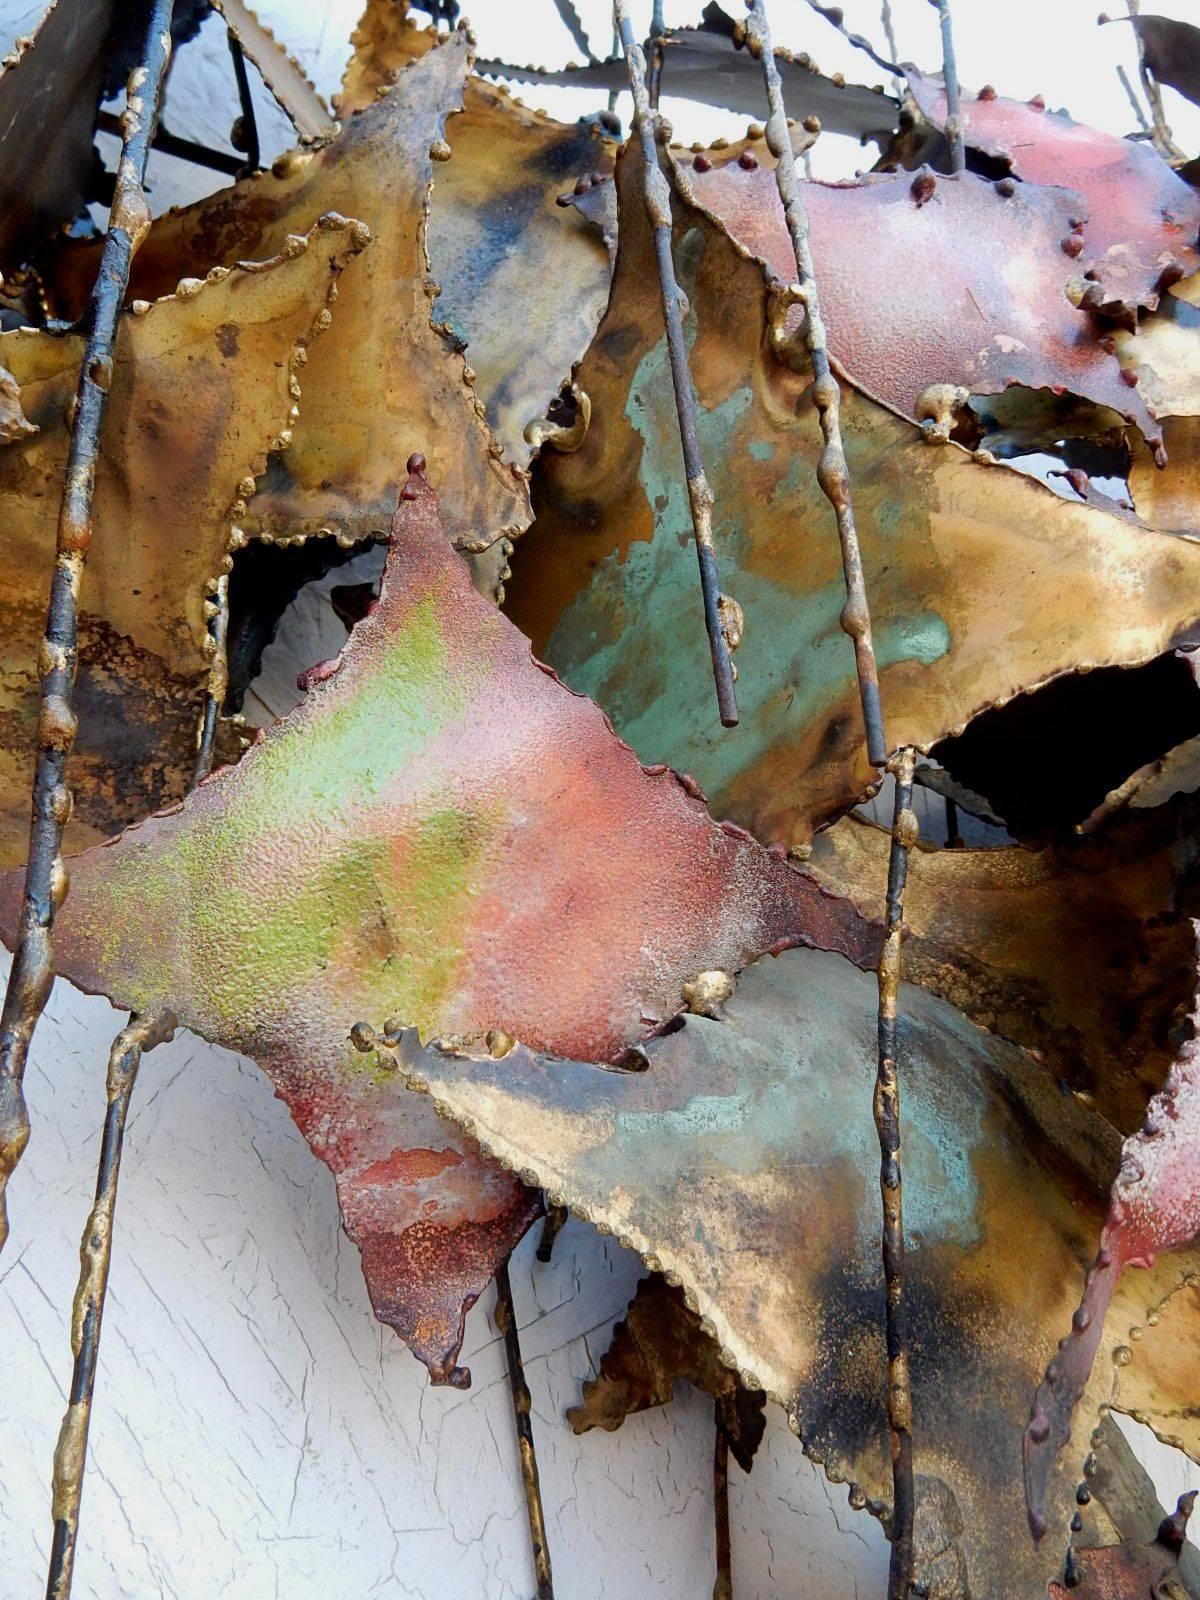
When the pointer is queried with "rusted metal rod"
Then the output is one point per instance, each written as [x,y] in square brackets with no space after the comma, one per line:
[217,611]
[831,469]
[506,1321]
[556,1216]
[719,612]
[654,77]
[95,1253]
[32,971]
[723,1584]
[887,1125]
[138,1036]
[953,128]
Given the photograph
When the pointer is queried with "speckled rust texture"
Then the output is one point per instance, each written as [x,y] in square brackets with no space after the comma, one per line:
[443,834]
[1143,217]
[966,283]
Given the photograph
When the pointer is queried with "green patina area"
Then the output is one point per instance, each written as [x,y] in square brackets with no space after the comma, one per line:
[302,869]
[798,1055]
[634,640]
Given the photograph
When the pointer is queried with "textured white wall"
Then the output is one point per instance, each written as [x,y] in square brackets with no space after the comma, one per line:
[256,1433]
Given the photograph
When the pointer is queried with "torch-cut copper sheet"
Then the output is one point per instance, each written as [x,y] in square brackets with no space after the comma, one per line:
[976,290]
[1142,216]
[443,834]
[743,1163]
[203,384]
[982,583]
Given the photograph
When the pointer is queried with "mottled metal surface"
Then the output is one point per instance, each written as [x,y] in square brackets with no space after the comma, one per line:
[1080,951]
[1143,218]
[205,380]
[523,282]
[659,1343]
[1164,355]
[1132,1571]
[1155,1208]
[49,95]
[386,383]
[976,293]
[742,1164]
[967,564]
[443,834]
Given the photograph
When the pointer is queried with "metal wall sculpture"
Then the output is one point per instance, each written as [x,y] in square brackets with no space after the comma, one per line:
[517,917]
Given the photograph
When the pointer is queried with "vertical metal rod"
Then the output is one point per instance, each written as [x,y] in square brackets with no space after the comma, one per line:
[889,35]
[1143,124]
[887,1124]
[95,1252]
[551,1228]
[32,972]
[249,123]
[140,1035]
[700,496]
[723,1584]
[1164,139]
[506,1321]
[954,127]
[654,77]
[831,469]
[217,610]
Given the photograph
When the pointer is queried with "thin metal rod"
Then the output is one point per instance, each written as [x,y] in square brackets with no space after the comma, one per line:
[723,1584]
[217,611]
[1164,139]
[140,1035]
[887,1124]
[551,1228]
[654,77]
[1143,123]
[32,971]
[506,1321]
[169,144]
[889,34]
[700,496]
[95,1253]
[249,122]
[831,469]
[574,25]
[953,128]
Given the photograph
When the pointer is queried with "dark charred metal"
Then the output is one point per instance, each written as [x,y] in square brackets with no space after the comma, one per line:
[700,495]
[506,1321]
[246,130]
[658,27]
[953,128]
[556,1216]
[32,971]
[887,1124]
[95,1253]
[831,469]
[723,1586]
